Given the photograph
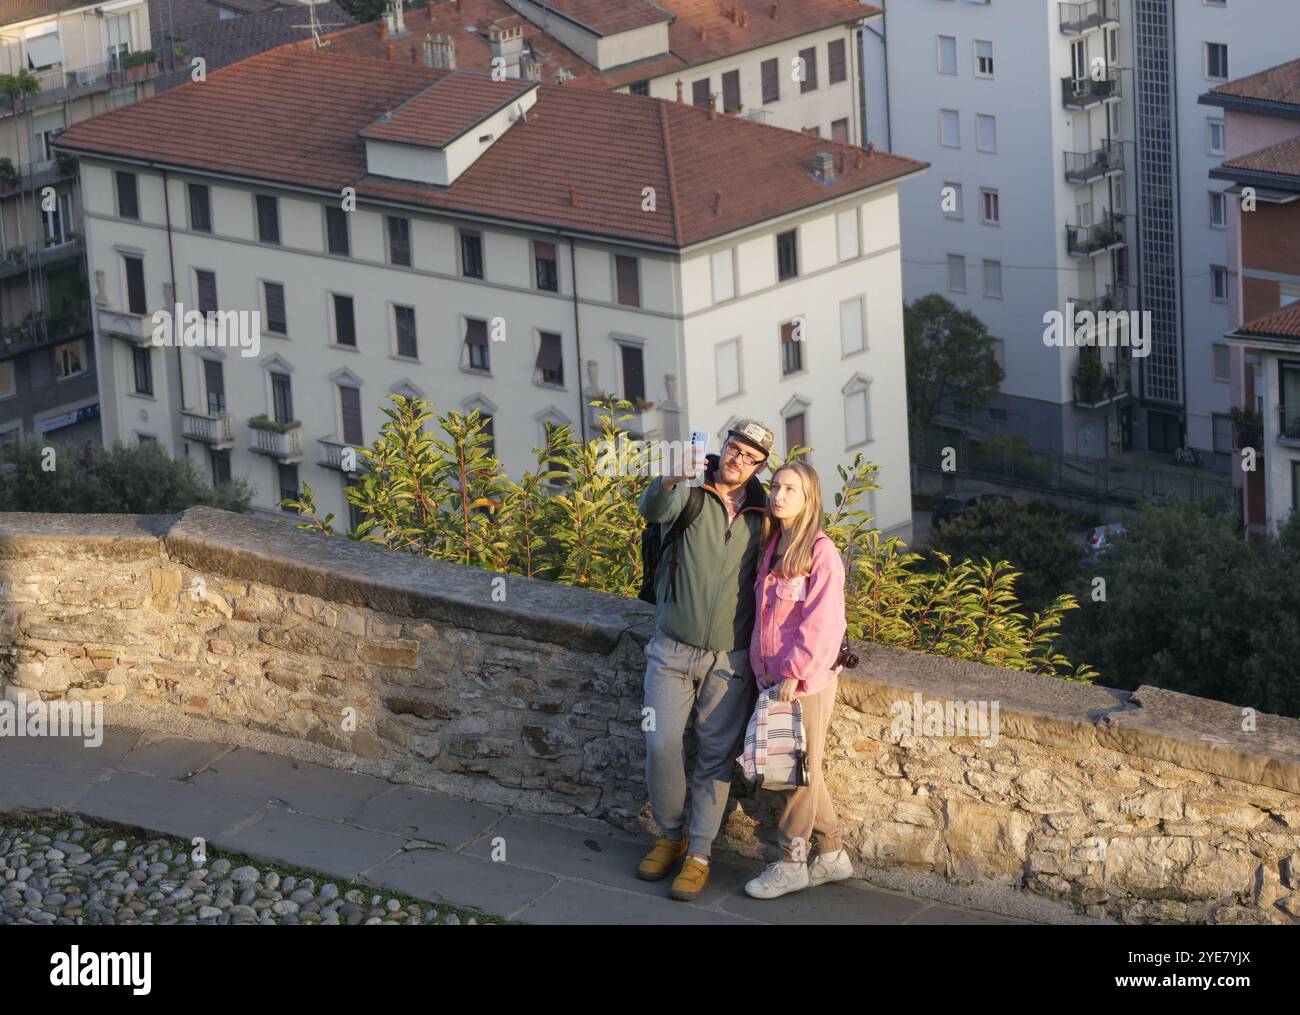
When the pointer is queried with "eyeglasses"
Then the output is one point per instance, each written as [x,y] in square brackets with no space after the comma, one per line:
[734,452]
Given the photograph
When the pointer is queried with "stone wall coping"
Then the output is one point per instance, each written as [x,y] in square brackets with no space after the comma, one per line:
[1191,732]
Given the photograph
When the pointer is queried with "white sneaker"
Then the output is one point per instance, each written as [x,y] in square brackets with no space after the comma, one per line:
[829,867]
[779,878]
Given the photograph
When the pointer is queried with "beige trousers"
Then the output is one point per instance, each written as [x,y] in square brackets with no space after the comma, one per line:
[809,814]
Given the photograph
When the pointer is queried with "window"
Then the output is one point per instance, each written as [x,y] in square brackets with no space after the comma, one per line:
[956,273]
[69,359]
[8,386]
[723,272]
[986,133]
[809,58]
[726,361]
[1218,210]
[546,266]
[853,319]
[268,219]
[990,207]
[639,88]
[355,514]
[952,205]
[128,195]
[1115,111]
[142,368]
[488,430]
[949,128]
[857,415]
[993,279]
[1216,137]
[336,230]
[771,77]
[117,32]
[471,253]
[134,270]
[813,131]
[1000,352]
[281,398]
[700,93]
[1222,363]
[276,320]
[633,373]
[1223,433]
[200,208]
[550,359]
[146,438]
[840,130]
[220,466]
[1216,61]
[947,54]
[791,350]
[58,219]
[287,477]
[345,325]
[627,280]
[983,59]
[787,256]
[404,322]
[1287,293]
[206,283]
[846,227]
[794,432]
[476,342]
[836,65]
[215,382]
[730,91]
[399,240]
[1079,60]
[1218,283]
[1112,46]
[350,413]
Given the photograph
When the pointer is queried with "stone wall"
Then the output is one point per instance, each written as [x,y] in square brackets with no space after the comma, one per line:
[1148,806]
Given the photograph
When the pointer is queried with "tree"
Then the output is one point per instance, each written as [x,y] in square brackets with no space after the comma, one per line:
[950,356]
[88,479]
[1034,538]
[1191,607]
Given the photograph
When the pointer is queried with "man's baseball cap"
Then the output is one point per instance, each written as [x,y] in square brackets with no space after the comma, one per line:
[755,434]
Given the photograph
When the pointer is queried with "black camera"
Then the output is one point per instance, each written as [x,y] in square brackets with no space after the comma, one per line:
[847,657]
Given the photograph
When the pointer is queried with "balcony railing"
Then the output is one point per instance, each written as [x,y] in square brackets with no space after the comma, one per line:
[1116,298]
[134,328]
[1081,93]
[44,329]
[19,259]
[332,449]
[1084,241]
[34,175]
[1288,425]
[1084,17]
[217,430]
[286,444]
[1092,392]
[1084,167]
[59,84]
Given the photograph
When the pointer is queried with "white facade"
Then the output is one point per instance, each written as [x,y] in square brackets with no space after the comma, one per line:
[675,329]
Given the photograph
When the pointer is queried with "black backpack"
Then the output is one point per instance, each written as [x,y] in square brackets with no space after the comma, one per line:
[653,547]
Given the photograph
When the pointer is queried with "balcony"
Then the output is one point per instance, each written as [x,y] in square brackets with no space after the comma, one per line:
[60,84]
[331,450]
[20,258]
[281,441]
[1084,93]
[218,430]
[44,329]
[1078,18]
[1097,389]
[1086,241]
[135,329]
[34,175]
[1084,167]
[1116,298]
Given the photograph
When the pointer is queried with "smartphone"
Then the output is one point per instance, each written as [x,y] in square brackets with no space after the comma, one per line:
[699,447]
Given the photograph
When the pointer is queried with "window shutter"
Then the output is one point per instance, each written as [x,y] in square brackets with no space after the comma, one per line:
[207,291]
[276,319]
[345,330]
[771,81]
[350,401]
[215,380]
[629,286]
[835,61]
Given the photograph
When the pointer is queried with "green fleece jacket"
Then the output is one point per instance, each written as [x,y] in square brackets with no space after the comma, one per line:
[717,564]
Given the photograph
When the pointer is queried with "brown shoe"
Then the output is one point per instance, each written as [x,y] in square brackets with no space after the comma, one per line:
[659,862]
[690,881]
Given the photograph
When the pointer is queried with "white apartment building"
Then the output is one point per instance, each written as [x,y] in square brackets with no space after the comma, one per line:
[1071,136]
[514,248]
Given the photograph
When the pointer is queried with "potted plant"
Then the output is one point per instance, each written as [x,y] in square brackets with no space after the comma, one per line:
[1247,427]
[16,252]
[1091,376]
[263,422]
[139,65]
[66,162]
[8,175]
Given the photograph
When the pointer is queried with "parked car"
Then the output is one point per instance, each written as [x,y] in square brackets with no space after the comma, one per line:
[1101,540]
[957,504]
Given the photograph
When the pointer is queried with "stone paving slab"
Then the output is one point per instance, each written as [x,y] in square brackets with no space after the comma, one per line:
[837,903]
[439,876]
[45,787]
[172,757]
[70,751]
[300,785]
[302,840]
[948,915]
[164,805]
[423,814]
[577,902]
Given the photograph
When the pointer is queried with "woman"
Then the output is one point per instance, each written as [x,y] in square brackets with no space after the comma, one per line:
[799,626]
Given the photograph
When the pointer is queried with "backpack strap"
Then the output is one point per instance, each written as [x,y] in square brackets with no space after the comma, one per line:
[694,505]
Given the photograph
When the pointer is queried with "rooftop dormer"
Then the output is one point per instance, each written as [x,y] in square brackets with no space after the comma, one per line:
[604,34]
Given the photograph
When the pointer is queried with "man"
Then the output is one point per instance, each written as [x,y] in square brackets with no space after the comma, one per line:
[697,663]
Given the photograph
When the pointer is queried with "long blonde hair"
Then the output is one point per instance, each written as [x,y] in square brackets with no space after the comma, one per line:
[797,558]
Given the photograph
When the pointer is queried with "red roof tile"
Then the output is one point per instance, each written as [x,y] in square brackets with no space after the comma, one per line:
[446,109]
[1281,323]
[579,161]
[1282,158]
[609,18]
[1277,84]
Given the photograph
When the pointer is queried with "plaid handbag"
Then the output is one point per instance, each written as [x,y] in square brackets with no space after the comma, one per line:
[776,756]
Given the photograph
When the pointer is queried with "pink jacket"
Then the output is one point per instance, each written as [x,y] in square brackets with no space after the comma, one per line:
[799,622]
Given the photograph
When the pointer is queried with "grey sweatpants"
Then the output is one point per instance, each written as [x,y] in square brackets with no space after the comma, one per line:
[718,687]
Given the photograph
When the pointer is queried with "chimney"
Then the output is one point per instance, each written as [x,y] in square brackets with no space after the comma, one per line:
[415,55]
[383,27]
[573,195]
[703,34]
[392,50]
[772,12]
[460,6]
[824,167]
[717,201]
[394,18]
[440,52]
[507,43]
[713,105]
[871,149]
[679,91]
[857,161]
[430,8]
